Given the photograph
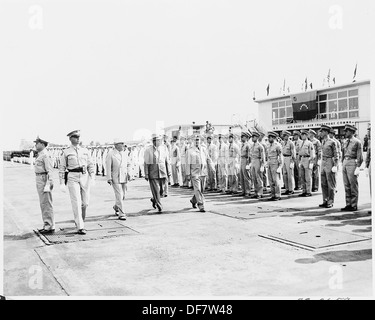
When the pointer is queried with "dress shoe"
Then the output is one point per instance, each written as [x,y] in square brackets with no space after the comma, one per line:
[323,205]
[160,209]
[276,199]
[347,208]
[82,232]
[308,195]
[153,203]
[354,209]
[43,231]
[271,199]
[122,217]
[286,193]
[202,210]
[329,206]
[193,204]
[302,195]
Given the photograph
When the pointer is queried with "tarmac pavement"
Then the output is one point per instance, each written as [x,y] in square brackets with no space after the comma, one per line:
[239,247]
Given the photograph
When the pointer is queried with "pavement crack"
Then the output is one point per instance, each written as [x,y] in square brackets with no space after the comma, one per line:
[49,269]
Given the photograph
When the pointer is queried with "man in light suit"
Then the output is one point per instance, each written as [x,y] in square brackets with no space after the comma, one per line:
[117,168]
[198,161]
[157,170]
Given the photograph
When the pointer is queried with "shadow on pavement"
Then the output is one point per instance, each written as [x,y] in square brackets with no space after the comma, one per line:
[19,237]
[339,256]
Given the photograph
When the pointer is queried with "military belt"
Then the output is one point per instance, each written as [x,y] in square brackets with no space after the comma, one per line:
[41,173]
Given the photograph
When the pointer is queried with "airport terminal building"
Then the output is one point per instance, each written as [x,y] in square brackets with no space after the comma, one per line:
[334,106]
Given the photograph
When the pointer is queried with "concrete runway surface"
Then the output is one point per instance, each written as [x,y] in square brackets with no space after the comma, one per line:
[239,247]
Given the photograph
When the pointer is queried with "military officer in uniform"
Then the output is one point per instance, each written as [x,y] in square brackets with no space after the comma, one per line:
[76,162]
[289,154]
[245,179]
[234,155]
[157,169]
[198,161]
[183,148]
[352,161]
[223,165]
[262,141]
[306,163]
[329,168]
[44,185]
[297,145]
[275,164]
[368,156]
[257,165]
[213,153]
[118,168]
[317,161]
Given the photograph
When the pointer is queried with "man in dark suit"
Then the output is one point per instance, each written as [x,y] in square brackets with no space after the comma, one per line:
[157,170]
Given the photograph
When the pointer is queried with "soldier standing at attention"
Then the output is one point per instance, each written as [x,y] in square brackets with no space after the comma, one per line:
[43,170]
[329,168]
[289,154]
[244,165]
[297,144]
[213,153]
[78,172]
[353,158]
[306,164]
[275,163]
[223,165]
[258,161]
[264,173]
[317,161]
[368,158]
[234,154]
[183,149]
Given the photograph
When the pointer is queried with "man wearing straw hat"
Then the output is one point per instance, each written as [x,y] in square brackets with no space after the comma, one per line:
[198,161]
[118,166]
[157,170]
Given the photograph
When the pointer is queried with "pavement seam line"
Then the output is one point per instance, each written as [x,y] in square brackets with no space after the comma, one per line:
[49,269]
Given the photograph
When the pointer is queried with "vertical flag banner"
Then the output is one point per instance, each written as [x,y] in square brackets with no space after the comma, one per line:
[304,106]
[306,85]
[355,71]
[268,90]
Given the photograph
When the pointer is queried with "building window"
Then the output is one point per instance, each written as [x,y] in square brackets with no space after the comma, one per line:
[343,115]
[343,105]
[353,103]
[323,97]
[332,96]
[343,94]
[332,107]
[353,93]
[353,114]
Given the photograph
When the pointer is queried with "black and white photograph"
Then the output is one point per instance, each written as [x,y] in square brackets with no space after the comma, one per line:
[192,150]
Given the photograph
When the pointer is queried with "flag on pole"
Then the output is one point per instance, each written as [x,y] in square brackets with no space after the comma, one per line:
[329,77]
[355,72]
[334,80]
[311,85]
[268,90]
[306,85]
[304,105]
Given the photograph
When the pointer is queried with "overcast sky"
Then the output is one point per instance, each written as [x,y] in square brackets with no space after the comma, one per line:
[112,68]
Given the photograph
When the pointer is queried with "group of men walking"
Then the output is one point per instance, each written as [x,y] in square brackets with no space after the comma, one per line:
[226,165]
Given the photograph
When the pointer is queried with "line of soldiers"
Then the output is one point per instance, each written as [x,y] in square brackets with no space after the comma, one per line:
[224,165]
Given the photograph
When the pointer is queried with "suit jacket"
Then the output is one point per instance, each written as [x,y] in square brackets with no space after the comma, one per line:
[157,163]
[117,166]
[198,162]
